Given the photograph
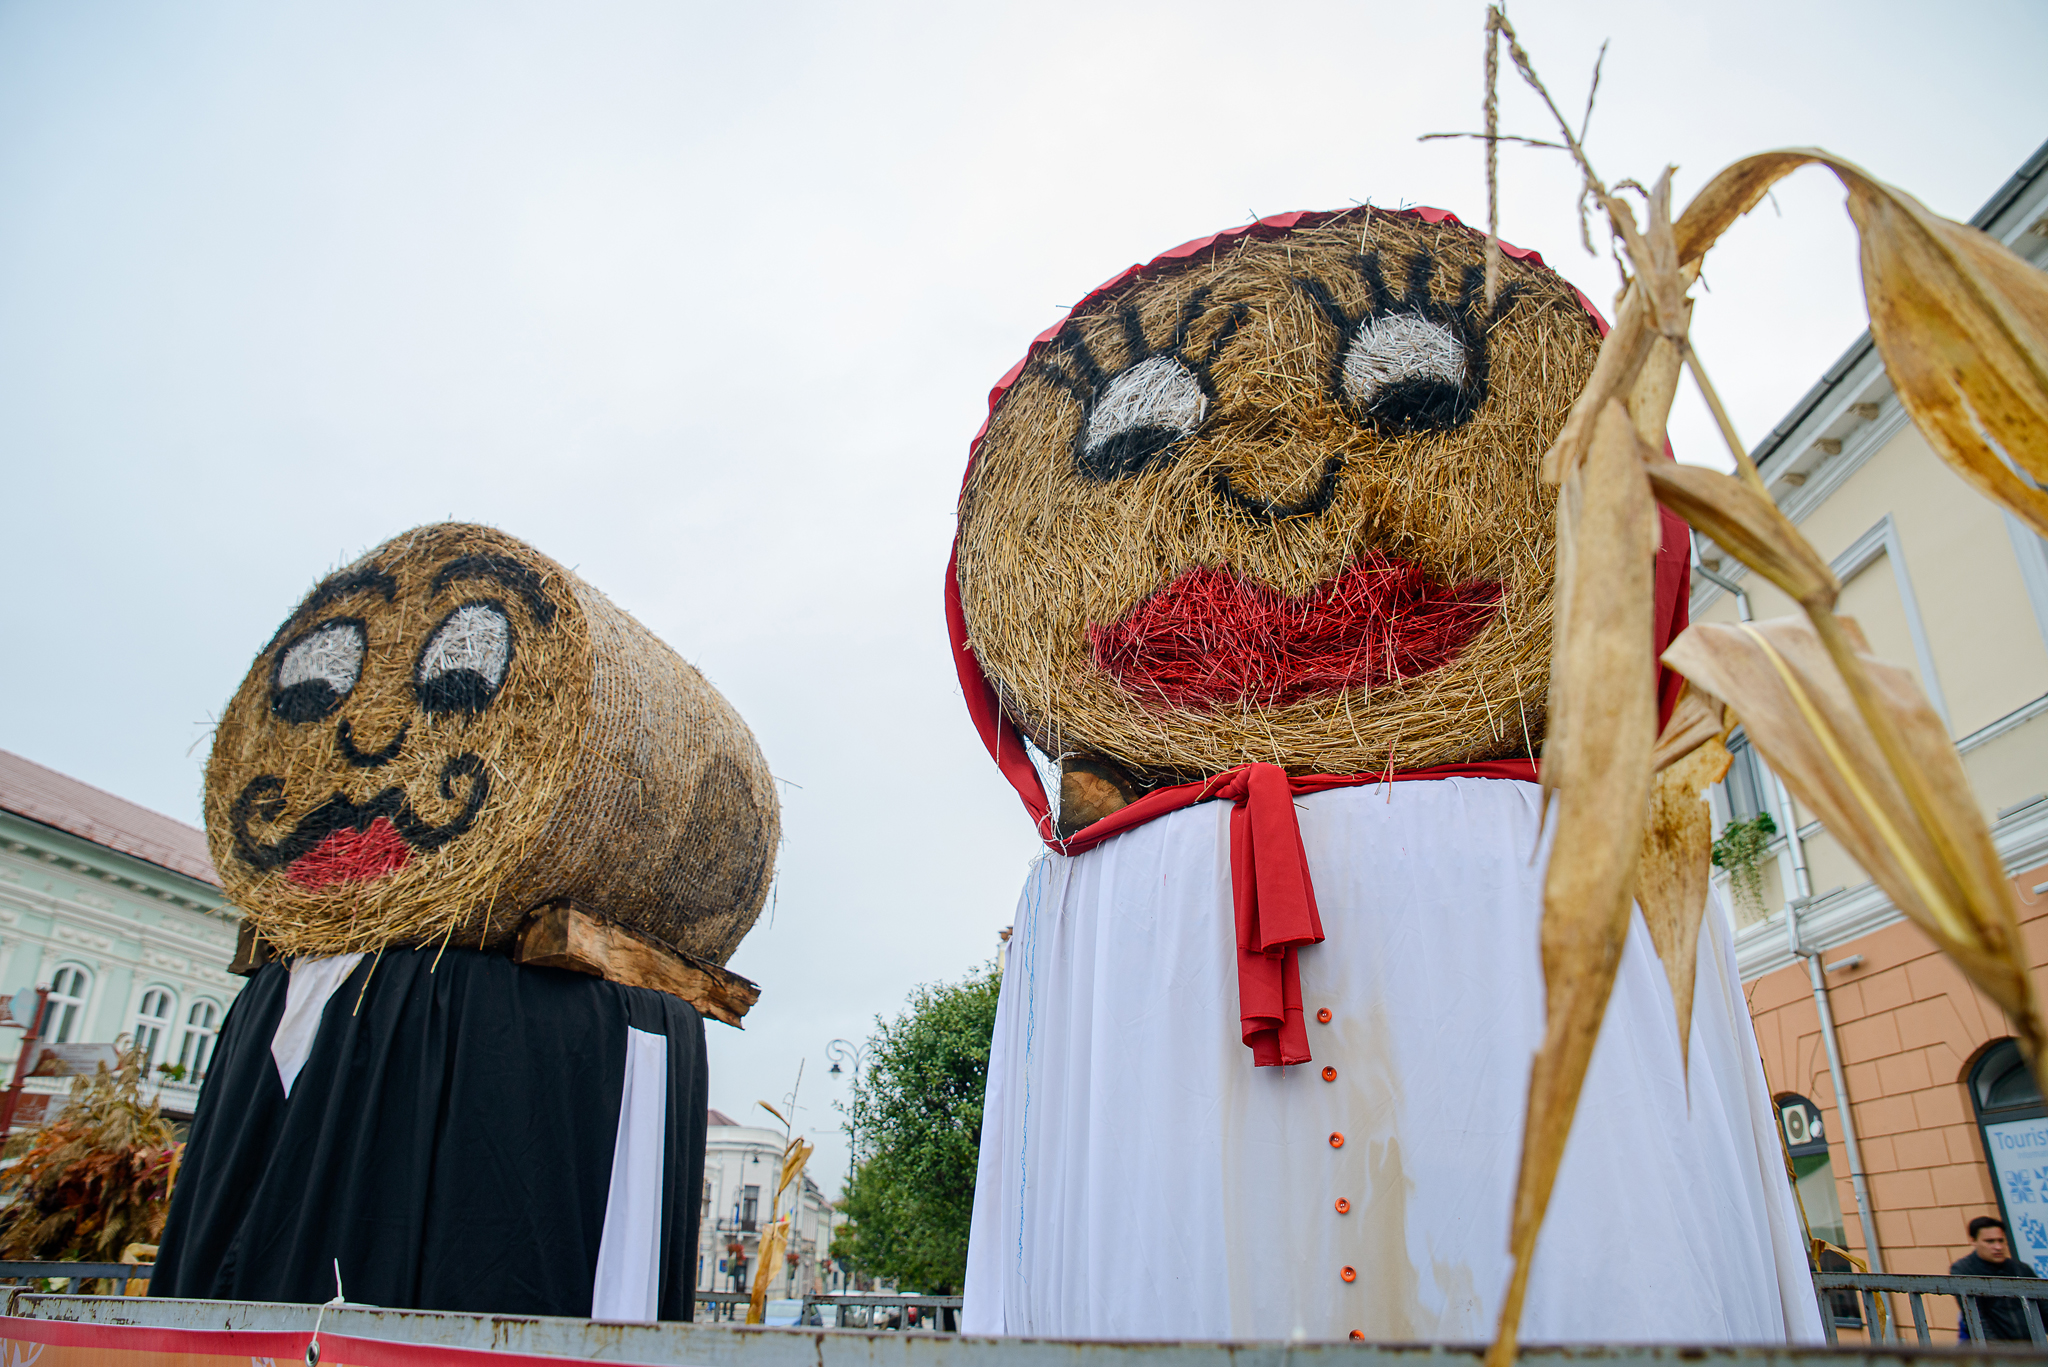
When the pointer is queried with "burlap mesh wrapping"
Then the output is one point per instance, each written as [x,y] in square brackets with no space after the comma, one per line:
[601,768]
[1056,548]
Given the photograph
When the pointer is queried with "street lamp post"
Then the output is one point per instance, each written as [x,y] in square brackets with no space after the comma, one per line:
[854,1057]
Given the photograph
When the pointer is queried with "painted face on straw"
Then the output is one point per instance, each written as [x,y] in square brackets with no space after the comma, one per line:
[1280,502]
[392,716]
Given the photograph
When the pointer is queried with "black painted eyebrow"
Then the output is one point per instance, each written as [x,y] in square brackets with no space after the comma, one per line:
[506,571]
[368,579]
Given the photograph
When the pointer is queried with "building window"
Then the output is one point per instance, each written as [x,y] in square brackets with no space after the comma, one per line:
[63,1016]
[2014,1124]
[152,1024]
[750,1207]
[202,1024]
[1813,1181]
[1744,787]
[1813,1174]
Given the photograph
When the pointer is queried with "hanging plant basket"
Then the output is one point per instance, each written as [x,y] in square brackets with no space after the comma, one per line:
[1740,850]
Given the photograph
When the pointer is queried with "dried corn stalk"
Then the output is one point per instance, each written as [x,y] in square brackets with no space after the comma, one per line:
[1597,760]
[775,1235]
[1962,326]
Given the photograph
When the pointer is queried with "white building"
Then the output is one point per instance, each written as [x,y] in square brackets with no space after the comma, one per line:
[117,910]
[742,1164]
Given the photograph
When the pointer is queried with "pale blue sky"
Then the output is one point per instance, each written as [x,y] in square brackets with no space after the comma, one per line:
[705,300]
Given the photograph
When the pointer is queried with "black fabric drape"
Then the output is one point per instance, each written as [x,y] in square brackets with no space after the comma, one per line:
[449,1141]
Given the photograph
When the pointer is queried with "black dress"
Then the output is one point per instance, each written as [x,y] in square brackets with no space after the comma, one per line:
[449,1141]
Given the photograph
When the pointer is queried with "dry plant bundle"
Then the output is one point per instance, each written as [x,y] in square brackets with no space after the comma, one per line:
[775,1235]
[1962,326]
[1160,564]
[95,1179]
[454,730]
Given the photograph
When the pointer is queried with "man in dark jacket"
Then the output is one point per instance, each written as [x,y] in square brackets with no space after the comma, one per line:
[1990,1255]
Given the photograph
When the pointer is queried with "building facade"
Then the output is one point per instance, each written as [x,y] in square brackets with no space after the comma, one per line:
[1945,582]
[117,910]
[742,1164]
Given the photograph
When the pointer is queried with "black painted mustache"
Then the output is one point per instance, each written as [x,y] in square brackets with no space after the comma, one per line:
[263,800]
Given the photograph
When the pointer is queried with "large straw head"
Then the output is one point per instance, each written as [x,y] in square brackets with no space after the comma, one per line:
[1278,500]
[455,729]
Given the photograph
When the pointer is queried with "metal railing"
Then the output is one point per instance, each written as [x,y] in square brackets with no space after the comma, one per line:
[1871,1290]
[14,1271]
[1878,1321]
[727,1307]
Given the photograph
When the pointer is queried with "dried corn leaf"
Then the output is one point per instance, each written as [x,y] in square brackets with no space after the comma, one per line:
[1597,759]
[793,1160]
[1614,374]
[774,1238]
[1779,678]
[1748,526]
[1697,718]
[1961,322]
[1676,869]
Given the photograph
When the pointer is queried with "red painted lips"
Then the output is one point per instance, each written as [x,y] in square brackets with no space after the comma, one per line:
[351,856]
[1209,638]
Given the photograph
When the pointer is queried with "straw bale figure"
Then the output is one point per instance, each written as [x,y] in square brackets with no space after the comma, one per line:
[1250,602]
[405,1105]
[1257,508]
[454,730]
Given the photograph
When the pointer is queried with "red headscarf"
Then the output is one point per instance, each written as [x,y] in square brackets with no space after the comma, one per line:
[1275,899]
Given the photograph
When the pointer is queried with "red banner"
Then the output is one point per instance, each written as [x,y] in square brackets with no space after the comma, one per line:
[55,1343]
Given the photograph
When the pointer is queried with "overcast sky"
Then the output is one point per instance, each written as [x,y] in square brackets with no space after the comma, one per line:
[705,301]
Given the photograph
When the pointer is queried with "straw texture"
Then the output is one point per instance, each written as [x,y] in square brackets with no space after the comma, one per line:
[1337,560]
[506,736]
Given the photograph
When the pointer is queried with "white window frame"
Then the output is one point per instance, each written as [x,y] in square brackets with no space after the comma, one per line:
[206,1037]
[1883,539]
[161,1028]
[64,1012]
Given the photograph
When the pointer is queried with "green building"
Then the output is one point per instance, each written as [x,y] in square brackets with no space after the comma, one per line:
[117,910]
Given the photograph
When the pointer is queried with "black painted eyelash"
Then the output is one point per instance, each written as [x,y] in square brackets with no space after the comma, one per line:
[1424,404]
[1083,376]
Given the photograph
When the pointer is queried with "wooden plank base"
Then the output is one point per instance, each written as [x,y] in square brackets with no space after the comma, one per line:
[564,935]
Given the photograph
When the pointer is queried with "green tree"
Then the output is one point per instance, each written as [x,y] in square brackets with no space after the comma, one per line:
[916,1128]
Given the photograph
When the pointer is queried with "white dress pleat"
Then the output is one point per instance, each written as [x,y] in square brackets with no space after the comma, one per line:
[628,1284]
[1140,1178]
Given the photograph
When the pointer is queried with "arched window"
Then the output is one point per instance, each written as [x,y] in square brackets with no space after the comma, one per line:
[64,1015]
[1745,785]
[1813,1178]
[153,1024]
[2014,1124]
[202,1023]
[1813,1173]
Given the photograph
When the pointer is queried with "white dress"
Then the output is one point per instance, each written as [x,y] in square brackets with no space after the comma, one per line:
[1139,1178]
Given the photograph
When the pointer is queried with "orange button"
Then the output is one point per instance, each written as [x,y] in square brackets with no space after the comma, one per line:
[1343,1206]
[1349,1274]
[1329,1074]
[1358,1333]
[1336,1140]
[1324,1015]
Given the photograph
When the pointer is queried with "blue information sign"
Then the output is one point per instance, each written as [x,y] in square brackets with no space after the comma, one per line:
[2019,1163]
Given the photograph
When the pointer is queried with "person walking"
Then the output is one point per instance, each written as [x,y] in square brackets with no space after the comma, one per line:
[1990,1255]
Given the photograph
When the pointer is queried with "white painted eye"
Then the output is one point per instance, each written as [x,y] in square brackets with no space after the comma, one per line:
[464,662]
[1138,414]
[1397,348]
[318,670]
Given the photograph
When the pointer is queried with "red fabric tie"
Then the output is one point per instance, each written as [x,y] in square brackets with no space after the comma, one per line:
[1276,911]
